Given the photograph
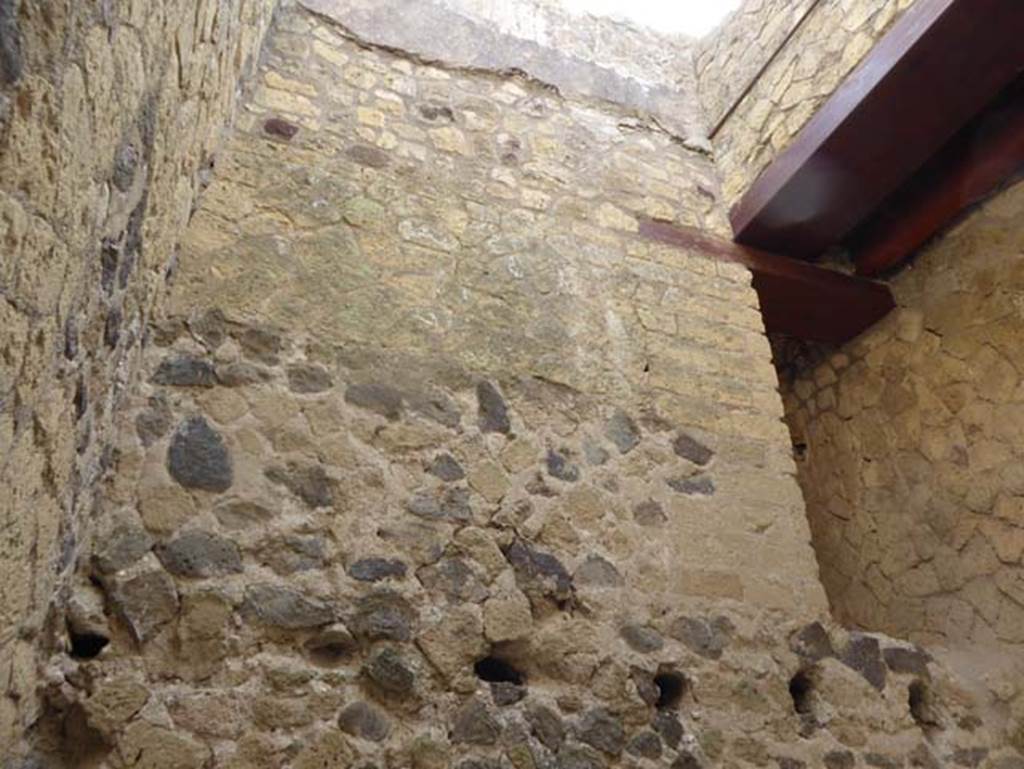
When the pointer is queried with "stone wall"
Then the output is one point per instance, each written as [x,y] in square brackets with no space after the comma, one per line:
[438,464]
[800,77]
[109,113]
[730,59]
[912,434]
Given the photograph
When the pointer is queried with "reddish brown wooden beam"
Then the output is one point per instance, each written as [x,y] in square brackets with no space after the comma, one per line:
[797,298]
[942,62]
[980,159]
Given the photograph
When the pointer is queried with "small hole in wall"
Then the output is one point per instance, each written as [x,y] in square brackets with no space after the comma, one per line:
[801,688]
[647,368]
[800,451]
[495,670]
[671,688]
[87,646]
[922,705]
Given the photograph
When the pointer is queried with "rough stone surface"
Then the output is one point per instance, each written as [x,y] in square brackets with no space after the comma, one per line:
[185,371]
[308,482]
[492,409]
[771,65]
[390,673]
[429,229]
[200,554]
[707,637]
[198,458]
[88,169]
[286,608]
[911,459]
[623,432]
[376,569]
[363,720]
[147,600]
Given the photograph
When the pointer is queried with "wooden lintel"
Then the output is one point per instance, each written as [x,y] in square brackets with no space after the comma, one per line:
[797,298]
[941,63]
[989,152]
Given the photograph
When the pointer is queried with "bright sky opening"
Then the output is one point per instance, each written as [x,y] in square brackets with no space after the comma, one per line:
[689,17]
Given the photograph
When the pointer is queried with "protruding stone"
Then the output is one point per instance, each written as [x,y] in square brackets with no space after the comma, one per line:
[280,128]
[209,328]
[645,745]
[455,579]
[121,547]
[446,468]
[812,643]
[185,371]
[200,554]
[378,398]
[507,617]
[360,719]
[596,571]
[492,409]
[390,673]
[368,156]
[707,638]
[504,693]
[376,569]
[198,459]
[623,432]
[154,422]
[539,574]
[642,639]
[862,654]
[291,554]
[262,343]
[146,601]
[907,661]
[451,504]
[475,725]
[667,725]
[649,513]
[692,450]
[546,726]
[241,374]
[286,608]
[237,514]
[436,407]
[600,729]
[384,615]
[560,467]
[309,483]
[308,379]
[698,485]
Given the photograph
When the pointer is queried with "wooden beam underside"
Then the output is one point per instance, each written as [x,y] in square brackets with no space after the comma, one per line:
[972,166]
[938,67]
[797,298]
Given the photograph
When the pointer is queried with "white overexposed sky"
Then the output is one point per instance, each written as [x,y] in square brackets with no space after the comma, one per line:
[690,17]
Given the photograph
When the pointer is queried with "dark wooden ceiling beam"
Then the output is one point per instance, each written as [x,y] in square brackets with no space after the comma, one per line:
[981,158]
[797,298]
[942,62]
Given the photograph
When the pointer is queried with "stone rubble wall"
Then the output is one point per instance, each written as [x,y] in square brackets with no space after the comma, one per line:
[438,464]
[109,113]
[912,470]
[803,75]
[731,57]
